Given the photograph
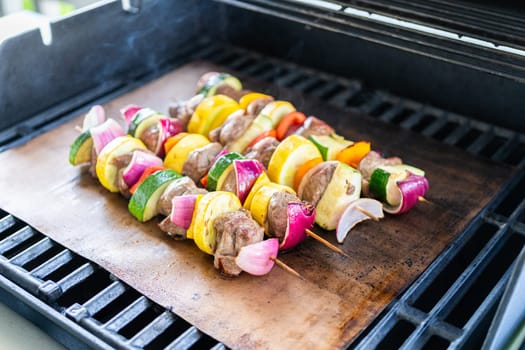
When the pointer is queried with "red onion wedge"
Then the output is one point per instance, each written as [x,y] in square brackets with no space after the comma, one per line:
[140,160]
[301,216]
[410,189]
[246,172]
[258,259]
[354,214]
[168,127]
[182,210]
[104,133]
[128,112]
[94,117]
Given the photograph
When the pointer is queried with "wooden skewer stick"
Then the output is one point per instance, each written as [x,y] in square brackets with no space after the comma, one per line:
[325,242]
[367,213]
[423,199]
[78,128]
[286,268]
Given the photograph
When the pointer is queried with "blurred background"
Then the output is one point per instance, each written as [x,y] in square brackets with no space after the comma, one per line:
[18,16]
[49,8]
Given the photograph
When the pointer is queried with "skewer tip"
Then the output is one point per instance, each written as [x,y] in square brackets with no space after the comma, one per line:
[423,199]
[367,213]
[78,128]
[286,268]
[325,242]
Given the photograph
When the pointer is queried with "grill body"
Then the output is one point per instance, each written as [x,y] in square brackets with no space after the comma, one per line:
[458,93]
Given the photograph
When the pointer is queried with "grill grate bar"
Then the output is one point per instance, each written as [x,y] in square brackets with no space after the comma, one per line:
[105,297]
[240,62]
[127,315]
[153,329]
[487,307]
[341,99]
[392,113]
[76,277]
[471,274]
[289,78]
[445,330]
[481,142]
[7,222]
[307,84]
[330,88]
[459,132]
[506,149]
[372,104]
[434,127]
[186,340]
[219,346]
[32,252]
[52,264]
[412,119]
[16,238]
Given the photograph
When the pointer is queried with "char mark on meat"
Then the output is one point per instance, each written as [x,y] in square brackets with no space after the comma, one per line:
[263,150]
[199,161]
[313,126]
[277,217]
[174,231]
[316,181]
[234,231]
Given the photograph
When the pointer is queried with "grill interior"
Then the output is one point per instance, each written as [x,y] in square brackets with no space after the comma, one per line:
[451,302]
[449,306]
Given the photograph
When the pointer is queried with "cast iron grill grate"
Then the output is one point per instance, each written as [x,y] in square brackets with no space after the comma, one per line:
[437,311]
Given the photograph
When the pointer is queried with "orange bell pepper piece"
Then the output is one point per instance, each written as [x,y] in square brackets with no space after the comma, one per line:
[303,169]
[353,154]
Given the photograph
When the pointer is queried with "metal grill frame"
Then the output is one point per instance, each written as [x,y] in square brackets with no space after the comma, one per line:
[73,317]
[351,95]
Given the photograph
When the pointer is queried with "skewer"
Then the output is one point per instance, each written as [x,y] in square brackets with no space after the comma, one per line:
[286,268]
[423,199]
[325,242]
[367,213]
[78,128]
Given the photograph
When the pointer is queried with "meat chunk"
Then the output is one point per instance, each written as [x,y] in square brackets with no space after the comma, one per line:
[122,185]
[277,217]
[150,137]
[256,106]
[315,182]
[263,150]
[232,128]
[179,187]
[183,110]
[199,161]
[234,230]
[314,126]
[176,232]
[93,162]
[227,90]
[372,160]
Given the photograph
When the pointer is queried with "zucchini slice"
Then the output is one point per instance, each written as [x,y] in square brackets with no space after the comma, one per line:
[143,203]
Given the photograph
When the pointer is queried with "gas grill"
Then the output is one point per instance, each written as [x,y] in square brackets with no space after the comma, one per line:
[451,71]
